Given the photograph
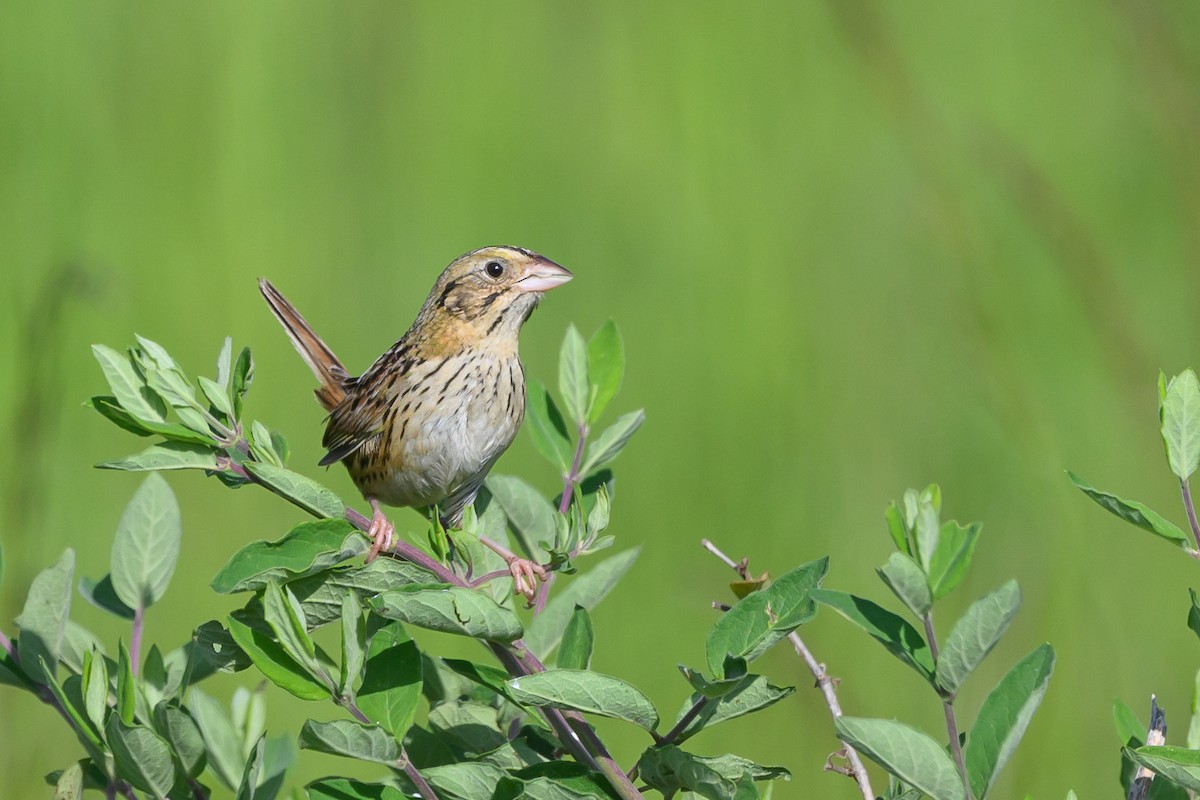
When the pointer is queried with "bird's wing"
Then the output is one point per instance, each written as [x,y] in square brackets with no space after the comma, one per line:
[368,408]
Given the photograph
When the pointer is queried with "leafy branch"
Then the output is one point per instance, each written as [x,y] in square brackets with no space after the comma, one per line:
[857,770]
[1145,754]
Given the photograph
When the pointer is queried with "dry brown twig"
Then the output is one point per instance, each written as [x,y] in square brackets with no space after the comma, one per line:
[1156,735]
[854,766]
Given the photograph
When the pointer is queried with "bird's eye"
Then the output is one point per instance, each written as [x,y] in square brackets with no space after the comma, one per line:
[494,268]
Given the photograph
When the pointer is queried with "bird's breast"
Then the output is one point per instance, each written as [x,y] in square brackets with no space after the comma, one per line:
[462,413]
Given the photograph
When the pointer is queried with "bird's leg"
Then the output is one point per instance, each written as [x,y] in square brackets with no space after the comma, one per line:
[382,531]
[525,573]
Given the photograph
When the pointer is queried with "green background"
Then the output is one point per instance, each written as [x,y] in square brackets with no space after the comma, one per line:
[852,247]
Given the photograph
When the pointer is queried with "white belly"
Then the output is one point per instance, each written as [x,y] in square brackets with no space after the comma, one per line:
[453,436]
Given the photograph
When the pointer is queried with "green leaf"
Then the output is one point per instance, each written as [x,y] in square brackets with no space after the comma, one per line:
[750,693]
[70,783]
[391,688]
[606,367]
[482,674]
[126,686]
[286,619]
[975,634]
[1134,513]
[251,771]
[907,581]
[893,632]
[249,714]
[243,376]
[471,728]
[299,489]
[590,692]
[1004,716]
[904,752]
[262,446]
[451,609]
[896,528]
[71,701]
[1129,727]
[225,364]
[669,770]
[1176,764]
[608,445]
[547,427]
[166,455]
[531,517]
[344,737]
[275,664]
[95,688]
[707,688]
[949,563]
[146,547]
[575,651]
[216,395]
[43,620]
[762,618]
[346,789]
[109,409]
[308,548]
[221,739]
[142,756]
[573,376]
[586,590]
[128,387]
[321,594]
[279,754]
[1180,414]
[1193,617]
[465,781]
[354,643]
[1193,735]
[926,526]
[180,730]
[103,596]
[554,780]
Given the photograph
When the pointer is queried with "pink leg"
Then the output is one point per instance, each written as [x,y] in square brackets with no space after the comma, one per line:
[525,573]
[382,531]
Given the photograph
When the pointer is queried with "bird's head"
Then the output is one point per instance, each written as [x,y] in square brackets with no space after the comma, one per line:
[493,290]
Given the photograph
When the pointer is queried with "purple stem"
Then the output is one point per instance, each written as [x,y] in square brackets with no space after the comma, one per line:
[670,736]
[517,665]
[572,477]
[135,638]
[570,481]
[423,788]
[7,644]
[948,711]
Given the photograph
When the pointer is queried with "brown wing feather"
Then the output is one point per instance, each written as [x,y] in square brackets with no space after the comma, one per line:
[370,405]
[328,369]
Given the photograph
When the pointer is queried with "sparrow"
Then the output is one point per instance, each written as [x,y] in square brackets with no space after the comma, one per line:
[425,423]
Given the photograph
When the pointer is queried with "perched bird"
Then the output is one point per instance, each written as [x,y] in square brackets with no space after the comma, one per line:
[424,424]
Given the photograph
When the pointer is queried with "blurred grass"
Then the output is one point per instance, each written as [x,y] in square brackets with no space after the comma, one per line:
[851,248]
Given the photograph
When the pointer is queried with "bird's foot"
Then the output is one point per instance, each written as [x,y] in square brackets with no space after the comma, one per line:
[382,532]
[525,575]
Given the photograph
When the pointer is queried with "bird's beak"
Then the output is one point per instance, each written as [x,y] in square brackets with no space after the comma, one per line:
[543,276]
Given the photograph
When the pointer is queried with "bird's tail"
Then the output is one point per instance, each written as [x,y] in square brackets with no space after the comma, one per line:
[320,359]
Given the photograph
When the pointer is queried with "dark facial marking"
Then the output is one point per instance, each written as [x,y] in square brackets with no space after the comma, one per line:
[446,292]
[496,322]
